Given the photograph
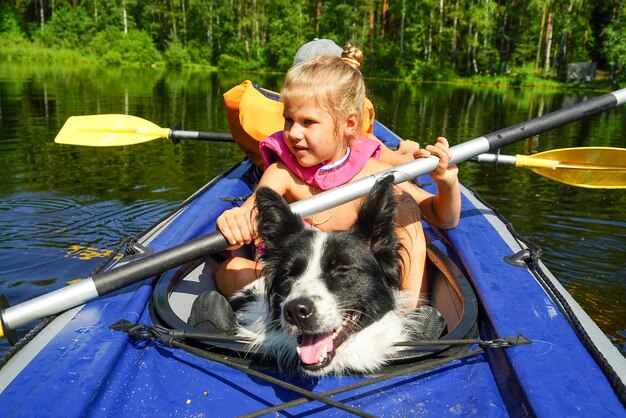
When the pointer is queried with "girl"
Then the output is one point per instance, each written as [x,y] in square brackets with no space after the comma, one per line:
[319,149]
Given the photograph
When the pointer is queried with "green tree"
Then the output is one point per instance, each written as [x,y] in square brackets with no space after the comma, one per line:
[9,26]
[118,48]
[288,29]
[67,28]
[423,39]
[615,44]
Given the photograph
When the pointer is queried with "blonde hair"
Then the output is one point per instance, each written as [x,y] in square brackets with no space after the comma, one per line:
[332,82]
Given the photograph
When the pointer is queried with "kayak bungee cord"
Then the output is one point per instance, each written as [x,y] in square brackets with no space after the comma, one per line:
[615,381]
[173,338]
[30,335]
[500,343]
[418,367]
[530,256]
[160,334]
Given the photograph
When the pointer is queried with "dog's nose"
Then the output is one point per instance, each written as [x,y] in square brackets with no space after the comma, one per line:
[297,311]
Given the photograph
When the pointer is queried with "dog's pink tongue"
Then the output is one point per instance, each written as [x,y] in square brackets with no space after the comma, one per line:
[312,347]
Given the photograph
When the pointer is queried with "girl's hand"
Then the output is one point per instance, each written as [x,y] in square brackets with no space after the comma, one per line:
[237,225]
[447,174]
[408,147]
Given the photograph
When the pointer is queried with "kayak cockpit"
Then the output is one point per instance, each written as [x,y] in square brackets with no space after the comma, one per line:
[449,290]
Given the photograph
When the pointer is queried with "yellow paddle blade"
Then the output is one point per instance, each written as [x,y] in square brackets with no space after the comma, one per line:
[108,131]
[591,167]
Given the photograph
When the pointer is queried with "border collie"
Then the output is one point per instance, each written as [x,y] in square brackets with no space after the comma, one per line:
[328,302]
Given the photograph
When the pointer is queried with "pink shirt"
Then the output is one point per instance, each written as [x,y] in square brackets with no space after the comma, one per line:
[322,176]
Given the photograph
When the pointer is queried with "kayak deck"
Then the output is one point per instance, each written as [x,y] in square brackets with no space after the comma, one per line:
[77,366]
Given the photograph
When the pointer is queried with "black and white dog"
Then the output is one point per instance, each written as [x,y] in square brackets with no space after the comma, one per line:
[328,303]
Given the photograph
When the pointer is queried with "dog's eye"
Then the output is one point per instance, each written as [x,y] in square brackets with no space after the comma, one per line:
[340,270]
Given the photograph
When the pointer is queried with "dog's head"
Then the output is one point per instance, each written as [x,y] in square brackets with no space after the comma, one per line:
[324,288]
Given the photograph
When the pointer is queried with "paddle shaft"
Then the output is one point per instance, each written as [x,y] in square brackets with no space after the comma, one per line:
[533,162]
[525,161]
[177,135]
[496,159]
[150,265]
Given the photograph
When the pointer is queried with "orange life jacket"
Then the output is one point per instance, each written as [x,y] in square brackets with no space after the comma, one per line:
[255,113]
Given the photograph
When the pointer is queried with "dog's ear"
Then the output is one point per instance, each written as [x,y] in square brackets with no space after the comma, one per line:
[377,223]
[377,217]
[275,220]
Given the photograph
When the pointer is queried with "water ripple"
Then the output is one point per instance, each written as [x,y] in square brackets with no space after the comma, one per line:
[49,220]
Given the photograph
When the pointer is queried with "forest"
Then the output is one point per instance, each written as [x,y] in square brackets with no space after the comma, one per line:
[420,40]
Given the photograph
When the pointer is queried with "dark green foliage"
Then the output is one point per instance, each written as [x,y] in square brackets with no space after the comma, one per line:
[118,48]
[176,55]
[230,62]
[69,29]
[615,45]
[198,52]
[426,40]
[9,27]
[287,30]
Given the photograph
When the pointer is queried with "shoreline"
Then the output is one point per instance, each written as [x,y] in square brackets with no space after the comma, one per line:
[28,52]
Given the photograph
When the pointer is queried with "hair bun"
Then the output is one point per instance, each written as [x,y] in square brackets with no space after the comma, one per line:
[352,55]
[352,62]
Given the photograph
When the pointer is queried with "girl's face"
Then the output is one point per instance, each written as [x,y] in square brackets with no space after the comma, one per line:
[310,133]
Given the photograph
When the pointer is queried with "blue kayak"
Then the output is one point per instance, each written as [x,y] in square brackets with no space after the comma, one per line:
[517,343]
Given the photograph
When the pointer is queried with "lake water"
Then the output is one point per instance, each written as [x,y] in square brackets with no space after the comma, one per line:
[63,208]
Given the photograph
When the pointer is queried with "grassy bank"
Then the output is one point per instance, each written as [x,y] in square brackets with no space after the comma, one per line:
[20,51]
[32,52]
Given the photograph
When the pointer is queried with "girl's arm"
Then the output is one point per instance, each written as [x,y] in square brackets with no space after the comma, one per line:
[402,155]
[442,210]
[238,225]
